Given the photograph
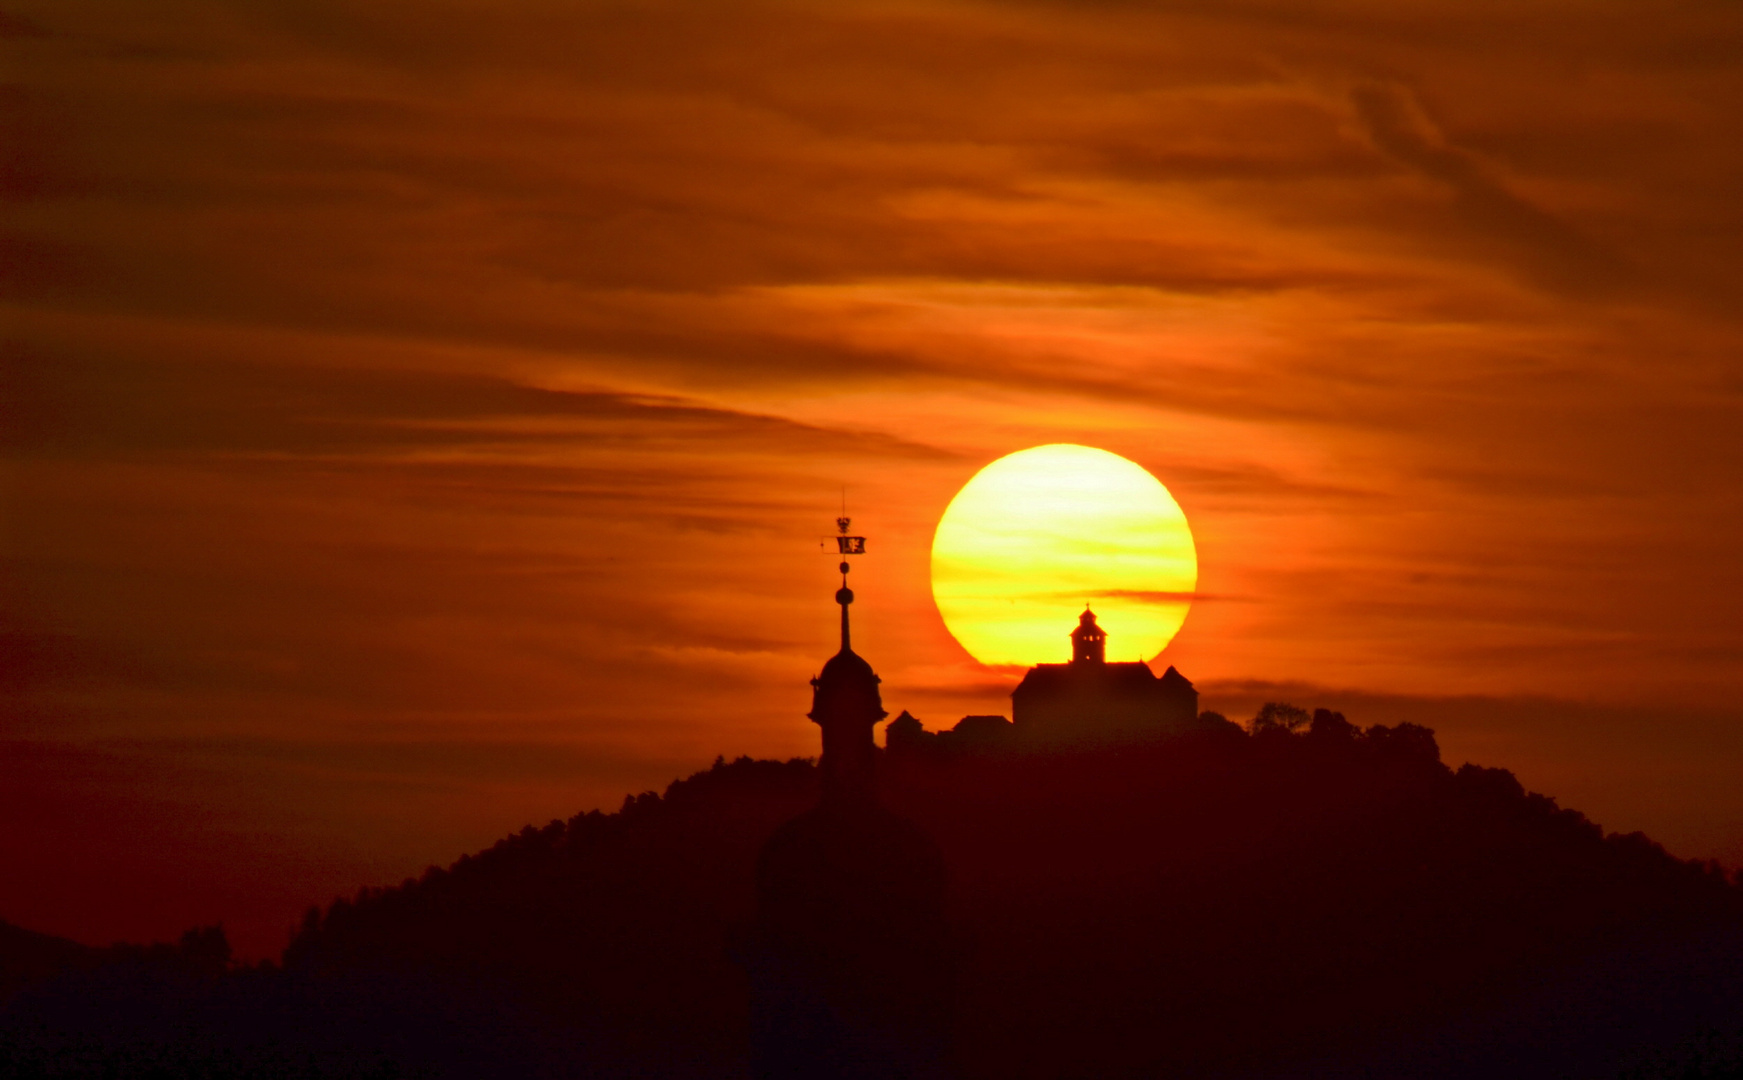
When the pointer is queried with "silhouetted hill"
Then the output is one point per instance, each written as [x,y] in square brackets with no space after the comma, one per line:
[1308,898]
[28,958]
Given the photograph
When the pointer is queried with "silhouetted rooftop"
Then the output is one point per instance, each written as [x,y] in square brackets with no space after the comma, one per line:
[847,682]
[846,665]
[1172,678]
[1135,676]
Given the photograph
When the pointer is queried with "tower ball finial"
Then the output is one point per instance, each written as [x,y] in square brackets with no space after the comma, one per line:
[846,545]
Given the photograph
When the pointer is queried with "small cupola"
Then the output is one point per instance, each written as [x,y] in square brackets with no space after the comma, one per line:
[1088,642]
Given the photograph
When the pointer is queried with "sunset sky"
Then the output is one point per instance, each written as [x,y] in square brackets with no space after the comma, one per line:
[420,419]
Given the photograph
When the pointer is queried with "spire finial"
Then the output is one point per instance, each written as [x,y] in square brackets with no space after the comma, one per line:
[846,545]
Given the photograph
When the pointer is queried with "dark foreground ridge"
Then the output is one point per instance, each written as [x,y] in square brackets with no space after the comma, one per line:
[1300,899]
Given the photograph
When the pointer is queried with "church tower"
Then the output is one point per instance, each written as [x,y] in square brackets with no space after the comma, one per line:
[846,704]
[850,957]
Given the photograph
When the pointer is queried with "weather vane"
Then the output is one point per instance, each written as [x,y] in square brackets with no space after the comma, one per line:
[846,546]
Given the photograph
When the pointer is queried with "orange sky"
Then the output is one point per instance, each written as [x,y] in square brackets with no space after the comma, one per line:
[419,418]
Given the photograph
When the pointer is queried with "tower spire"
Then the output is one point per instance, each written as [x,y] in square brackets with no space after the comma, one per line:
[845,701]
[846,545]
[844,597]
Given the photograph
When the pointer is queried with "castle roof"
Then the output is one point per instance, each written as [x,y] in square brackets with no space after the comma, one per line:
[1134,678]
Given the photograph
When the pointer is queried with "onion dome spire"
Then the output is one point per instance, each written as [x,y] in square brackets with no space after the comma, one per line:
[845,701]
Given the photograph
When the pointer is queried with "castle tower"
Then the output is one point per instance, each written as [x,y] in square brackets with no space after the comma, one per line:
[1088,642]
[1090,701]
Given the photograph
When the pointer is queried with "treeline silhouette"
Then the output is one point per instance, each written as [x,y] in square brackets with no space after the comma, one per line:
[1303,897]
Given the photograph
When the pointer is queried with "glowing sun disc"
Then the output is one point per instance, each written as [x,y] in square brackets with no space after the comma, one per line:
[1037,534]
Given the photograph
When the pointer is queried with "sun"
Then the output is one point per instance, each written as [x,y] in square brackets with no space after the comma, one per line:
[1037,534]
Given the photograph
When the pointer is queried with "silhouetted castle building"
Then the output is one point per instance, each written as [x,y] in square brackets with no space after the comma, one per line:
[1085,702]
[1091,699]
[906,735]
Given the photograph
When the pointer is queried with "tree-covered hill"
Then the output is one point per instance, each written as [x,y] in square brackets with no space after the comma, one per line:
[1301,898]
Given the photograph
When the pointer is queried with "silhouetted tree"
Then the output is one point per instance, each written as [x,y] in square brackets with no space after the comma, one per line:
[1331,726]
[1278,717]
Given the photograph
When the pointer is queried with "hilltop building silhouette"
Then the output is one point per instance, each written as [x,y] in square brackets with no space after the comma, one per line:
[850,966]
[1091,699]
[1086,701]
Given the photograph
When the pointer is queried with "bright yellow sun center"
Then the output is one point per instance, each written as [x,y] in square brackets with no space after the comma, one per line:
[1038,534]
